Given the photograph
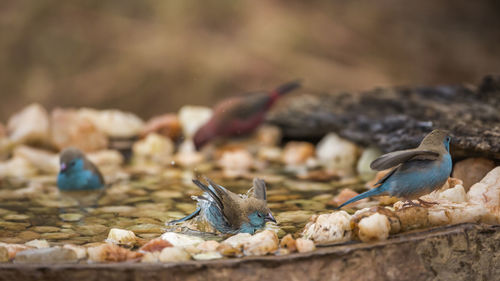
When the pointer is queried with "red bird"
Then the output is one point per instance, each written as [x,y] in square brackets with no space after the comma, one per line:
[240,115]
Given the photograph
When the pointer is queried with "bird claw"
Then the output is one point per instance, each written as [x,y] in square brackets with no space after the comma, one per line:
[421,203]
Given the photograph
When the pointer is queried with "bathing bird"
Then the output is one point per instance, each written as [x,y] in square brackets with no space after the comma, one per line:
[229,212]
[240,115]
[415,172]
[77,172]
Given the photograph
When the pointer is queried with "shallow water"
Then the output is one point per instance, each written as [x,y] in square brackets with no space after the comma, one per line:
[142,202]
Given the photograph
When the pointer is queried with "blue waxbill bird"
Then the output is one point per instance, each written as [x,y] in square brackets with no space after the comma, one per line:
[415,172]
[77,172]
[229,212]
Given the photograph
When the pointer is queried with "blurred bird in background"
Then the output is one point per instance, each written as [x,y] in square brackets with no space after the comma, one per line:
[240,115]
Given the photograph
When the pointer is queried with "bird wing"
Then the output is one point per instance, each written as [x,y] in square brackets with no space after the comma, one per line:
[243,107]
[259,189]
[87,165]
[224,200]
[395,158]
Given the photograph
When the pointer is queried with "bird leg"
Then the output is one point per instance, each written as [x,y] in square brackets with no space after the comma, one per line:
[424,203]
[410,203]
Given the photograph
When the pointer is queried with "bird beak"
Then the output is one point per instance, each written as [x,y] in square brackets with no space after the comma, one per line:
[63,167]
[270,217]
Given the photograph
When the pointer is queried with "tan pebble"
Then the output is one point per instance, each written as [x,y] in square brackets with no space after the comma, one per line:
[174,254]
[13,249]
[296,153]
[39,244]
[262,243]
[472,170]
[155,245]
[413,217]
[229,251]
[45,229]
[305,245]
[28,235]
[289,243]
[80,251]
[151,257]
[4,254]
[208,246]
[111,253]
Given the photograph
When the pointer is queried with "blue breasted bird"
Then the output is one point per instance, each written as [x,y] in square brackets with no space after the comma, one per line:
[229,212]
[240,115]
[77,172]
[415,172]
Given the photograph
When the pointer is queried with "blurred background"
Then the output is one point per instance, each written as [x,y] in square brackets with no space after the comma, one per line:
[152,56]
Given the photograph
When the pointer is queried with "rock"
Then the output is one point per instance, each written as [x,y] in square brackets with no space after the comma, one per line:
[122,237]
[454,195]
[106,158]
[398,118]
[261,244]
[227,250]
[296,153]
[238,240]
[146,228]
[486,193]
[17,167]
[44,229]
[14,226]
[13,249]
[151,257]
[305,245]
[16,217]
[111,253]
[46,255]
[114,123]
[472,170]
[205,256]
[155,148]
[455,213]
[40,159]
[208,246]
[363,167]
[4,254]
[71,217]
[236,163]
[289,243]
[192,118]
[155,245]
[69,128]
[167,125]
[394,222]
[187,155]
[38,244]
[337,154]
[295,217]
[271,154]
[329,228]
[268,135]
[344,195]
[174,254]
[80,251]
[181,240]
[412,217]
[28,235]
[58,235]
[374,228]
[30,125]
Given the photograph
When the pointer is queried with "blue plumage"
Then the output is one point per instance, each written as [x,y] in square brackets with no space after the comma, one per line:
[416,171]
[77,172]
[228,212]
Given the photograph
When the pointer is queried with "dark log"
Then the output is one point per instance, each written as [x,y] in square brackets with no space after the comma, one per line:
[399,118]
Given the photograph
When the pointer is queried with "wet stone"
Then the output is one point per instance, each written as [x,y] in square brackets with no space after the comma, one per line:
[58,235]
[16,217]
[46,255]
[71,217]
[28,235]
[14,226]
[45,229]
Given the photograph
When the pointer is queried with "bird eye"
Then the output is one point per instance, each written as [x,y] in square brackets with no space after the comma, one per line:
[259,215]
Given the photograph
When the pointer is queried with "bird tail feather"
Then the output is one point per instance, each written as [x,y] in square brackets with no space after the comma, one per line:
[285,88]
[371,192]
[188,217]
